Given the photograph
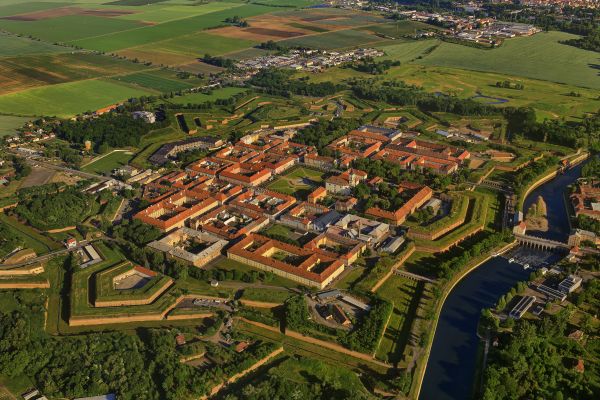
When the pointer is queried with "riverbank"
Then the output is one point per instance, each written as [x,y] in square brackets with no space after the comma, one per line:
[421,368]
[548,175]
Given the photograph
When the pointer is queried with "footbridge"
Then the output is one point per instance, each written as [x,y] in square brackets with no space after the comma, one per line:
[541,243]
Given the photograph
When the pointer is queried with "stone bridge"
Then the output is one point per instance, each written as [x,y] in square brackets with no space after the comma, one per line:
[541,243]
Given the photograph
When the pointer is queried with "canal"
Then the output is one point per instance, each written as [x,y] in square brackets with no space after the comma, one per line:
[452,361]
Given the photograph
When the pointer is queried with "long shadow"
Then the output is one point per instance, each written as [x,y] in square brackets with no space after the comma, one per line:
[404,331]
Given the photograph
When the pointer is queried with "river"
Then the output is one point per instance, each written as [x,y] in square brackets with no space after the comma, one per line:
[452,361]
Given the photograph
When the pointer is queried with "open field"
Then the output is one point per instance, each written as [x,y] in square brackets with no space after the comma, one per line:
[68,99]
[69,28]
[186,49]
[156,80]
[334,40]
[163,12]
[108,163]
[405,295]
[168,30]
[300,181]
[548,97]
[9,124]
[540,57]
[400,28]
[11,46]
[19,73]
[196,98]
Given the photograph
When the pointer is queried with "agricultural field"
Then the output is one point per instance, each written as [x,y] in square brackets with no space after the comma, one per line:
[105,164]
[186,49]
[9,124]
[540,57]
[68,99]
[25,72]
[11,46]
[152,33]
[161,81]
[400,28]
[334,40]
[298,182]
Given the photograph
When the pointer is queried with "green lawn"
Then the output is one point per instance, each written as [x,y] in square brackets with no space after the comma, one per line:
[404,293]
[108,162]
[540,56]
[68,99]
[299,181]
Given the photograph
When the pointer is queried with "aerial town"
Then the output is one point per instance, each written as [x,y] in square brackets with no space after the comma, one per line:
[299,199]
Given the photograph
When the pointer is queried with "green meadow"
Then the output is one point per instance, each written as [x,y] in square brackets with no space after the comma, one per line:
[68,99]
[108,162]
[540,57]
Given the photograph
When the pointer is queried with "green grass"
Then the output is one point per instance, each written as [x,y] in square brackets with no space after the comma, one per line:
[154,81]
[108,162]
[196,98]
[167,30]
[68,99]
[68,28]
[33,240]
[333,40]
[400,28]
[9,124]
[166,12]
[198,44]
[11,46]
[295,182]
[405,51]
[227,264]
[404,293]
[266,295]
[152,142]
[540,56]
